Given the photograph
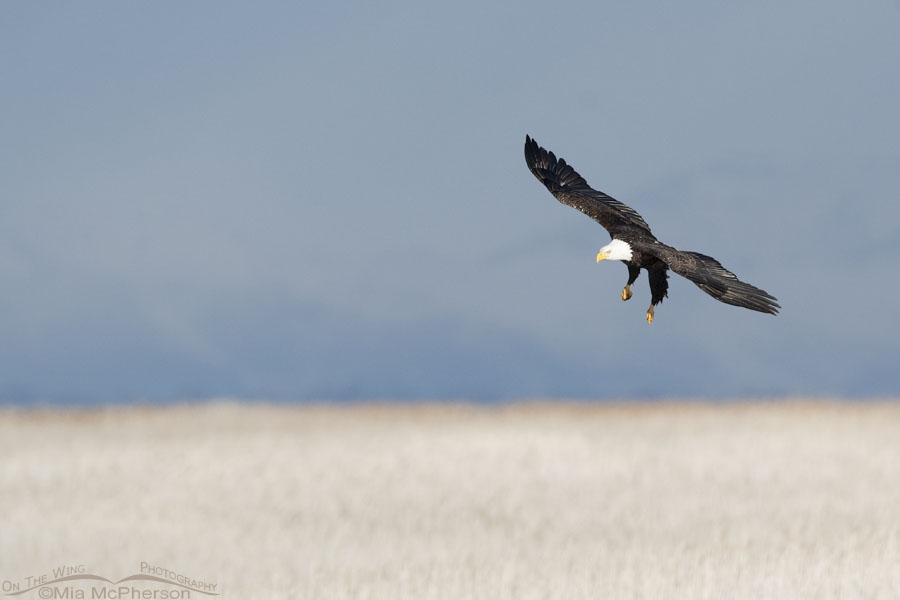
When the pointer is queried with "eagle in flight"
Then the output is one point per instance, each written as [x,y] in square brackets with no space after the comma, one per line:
[634,244]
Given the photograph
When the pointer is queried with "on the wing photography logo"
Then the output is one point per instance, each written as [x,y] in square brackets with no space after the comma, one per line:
[76,582]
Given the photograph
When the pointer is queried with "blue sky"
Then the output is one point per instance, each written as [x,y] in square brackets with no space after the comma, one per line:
[289,201]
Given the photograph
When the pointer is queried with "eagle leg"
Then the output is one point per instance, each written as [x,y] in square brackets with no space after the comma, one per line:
[633,273]
[650,315]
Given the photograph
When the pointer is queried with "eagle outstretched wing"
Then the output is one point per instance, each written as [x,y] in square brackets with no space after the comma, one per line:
[571,189]
[714,279]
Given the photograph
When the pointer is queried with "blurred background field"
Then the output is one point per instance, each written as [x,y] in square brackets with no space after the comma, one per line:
[787,499]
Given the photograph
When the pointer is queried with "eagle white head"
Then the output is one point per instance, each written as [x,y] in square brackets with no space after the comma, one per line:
[615,250]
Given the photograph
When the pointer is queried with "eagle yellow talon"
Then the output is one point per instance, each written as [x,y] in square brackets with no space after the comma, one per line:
[626,293]
[649,315]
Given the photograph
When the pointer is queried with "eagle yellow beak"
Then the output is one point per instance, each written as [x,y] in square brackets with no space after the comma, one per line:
[602,255]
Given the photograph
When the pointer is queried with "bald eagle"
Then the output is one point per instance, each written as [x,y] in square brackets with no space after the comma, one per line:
[634,244]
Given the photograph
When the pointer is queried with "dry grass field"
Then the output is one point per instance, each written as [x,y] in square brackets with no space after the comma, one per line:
[676,500]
